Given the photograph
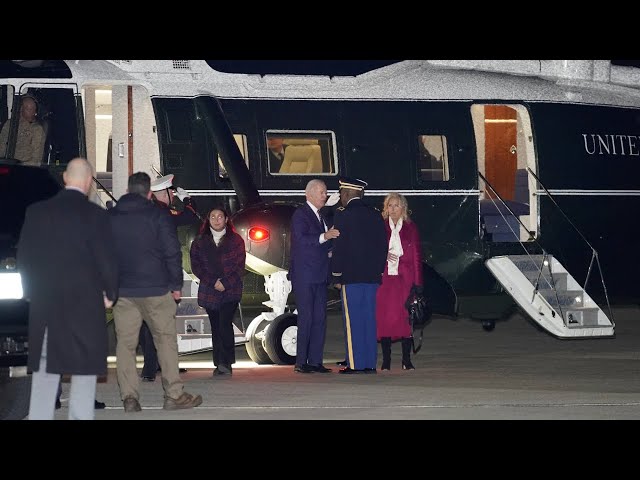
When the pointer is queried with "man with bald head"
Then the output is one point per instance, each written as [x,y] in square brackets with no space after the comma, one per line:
[30,137]
[69,275]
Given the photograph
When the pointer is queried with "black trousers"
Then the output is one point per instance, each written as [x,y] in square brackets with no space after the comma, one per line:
[224,348]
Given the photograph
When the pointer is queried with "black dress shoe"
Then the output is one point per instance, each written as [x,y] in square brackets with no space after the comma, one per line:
[320,368]
[370,371]
[343,363]
[98,405]
[350,371]
[182,370]
[145,378]
[303,369]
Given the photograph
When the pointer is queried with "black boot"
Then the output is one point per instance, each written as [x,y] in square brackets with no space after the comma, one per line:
[406,354]
[385,343]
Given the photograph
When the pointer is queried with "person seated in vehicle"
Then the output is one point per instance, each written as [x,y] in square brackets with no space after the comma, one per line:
[30,137]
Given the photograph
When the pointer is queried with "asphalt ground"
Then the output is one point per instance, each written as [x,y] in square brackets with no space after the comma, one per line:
[516,372]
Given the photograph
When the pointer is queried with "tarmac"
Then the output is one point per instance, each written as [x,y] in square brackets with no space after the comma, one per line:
[516,372]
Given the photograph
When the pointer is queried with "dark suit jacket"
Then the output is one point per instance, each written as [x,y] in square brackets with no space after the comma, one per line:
[309,258]
[274,161]
[66,259]
[360,252]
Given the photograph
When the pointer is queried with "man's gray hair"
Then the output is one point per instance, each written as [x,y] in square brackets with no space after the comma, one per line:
[313,184]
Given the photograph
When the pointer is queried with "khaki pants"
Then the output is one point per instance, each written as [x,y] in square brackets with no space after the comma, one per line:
[160,315]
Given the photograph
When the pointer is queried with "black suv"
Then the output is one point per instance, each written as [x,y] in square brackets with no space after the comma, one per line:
[20,186]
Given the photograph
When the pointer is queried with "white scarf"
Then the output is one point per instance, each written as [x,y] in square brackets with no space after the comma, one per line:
[217,235]
[395,246]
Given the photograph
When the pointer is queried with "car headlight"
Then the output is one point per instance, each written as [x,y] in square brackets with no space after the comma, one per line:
[10,286]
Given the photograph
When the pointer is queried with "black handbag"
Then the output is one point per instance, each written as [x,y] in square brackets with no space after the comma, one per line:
[419,314]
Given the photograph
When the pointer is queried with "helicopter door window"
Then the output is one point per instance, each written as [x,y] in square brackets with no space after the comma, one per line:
[241,141]
[433,162]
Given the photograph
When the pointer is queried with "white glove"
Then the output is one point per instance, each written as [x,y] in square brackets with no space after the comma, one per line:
[182,193]
[333,199]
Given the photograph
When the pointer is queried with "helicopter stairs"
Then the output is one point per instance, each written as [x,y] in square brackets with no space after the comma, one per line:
[192,322]
[559,304]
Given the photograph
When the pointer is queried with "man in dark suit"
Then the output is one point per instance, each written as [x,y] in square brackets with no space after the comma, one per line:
[357,264]
[276,148]
[69,274]
[309,273]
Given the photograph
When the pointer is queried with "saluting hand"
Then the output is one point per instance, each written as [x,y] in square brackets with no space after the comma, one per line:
[333,232]
[107,303]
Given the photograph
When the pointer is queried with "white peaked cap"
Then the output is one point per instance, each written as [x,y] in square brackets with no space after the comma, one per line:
[333,199]
[162,183]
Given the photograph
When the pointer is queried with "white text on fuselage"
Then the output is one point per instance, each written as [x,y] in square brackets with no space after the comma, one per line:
[610,144]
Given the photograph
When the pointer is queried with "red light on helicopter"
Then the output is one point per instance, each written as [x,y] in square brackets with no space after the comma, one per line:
[258,234]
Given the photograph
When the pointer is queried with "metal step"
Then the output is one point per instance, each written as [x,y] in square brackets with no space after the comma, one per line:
[194,324]
[563,298]
[545,281]
[582,317]
[529,263]
[189,306]
[560,311]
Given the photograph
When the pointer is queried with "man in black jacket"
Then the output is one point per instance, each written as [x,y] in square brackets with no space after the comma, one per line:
[162,195]
[150,276]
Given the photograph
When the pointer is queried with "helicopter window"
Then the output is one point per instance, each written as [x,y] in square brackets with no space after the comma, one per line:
[241,141]
[433,163]
[301,153]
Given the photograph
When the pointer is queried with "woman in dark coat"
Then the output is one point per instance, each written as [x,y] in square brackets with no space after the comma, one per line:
[217,259]
[402,271]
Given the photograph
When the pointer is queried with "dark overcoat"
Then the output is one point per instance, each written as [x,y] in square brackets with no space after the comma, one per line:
[66,259]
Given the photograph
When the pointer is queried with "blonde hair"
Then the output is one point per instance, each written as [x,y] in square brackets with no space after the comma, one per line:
[403,203]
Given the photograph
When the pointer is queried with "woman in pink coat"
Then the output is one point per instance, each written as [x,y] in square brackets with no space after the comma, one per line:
[403,269]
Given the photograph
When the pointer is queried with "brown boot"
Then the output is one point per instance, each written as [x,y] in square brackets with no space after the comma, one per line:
[186,400]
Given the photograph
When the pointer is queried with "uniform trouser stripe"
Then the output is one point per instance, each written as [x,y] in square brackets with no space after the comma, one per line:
[347,322]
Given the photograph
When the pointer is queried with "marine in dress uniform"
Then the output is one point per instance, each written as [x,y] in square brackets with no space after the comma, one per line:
[357,263]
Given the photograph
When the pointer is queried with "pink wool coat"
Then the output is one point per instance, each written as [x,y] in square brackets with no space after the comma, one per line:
[392,318]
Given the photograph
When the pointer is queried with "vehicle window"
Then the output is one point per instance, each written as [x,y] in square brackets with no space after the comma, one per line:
[301,152]
[433,161]
[241,141]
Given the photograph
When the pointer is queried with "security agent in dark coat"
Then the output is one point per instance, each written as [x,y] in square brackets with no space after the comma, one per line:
[68,267]
[163,196]
[357,265]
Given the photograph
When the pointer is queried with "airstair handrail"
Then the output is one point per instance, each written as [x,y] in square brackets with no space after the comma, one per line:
[560,209]
[536,286]
[104,189]
[594,252]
